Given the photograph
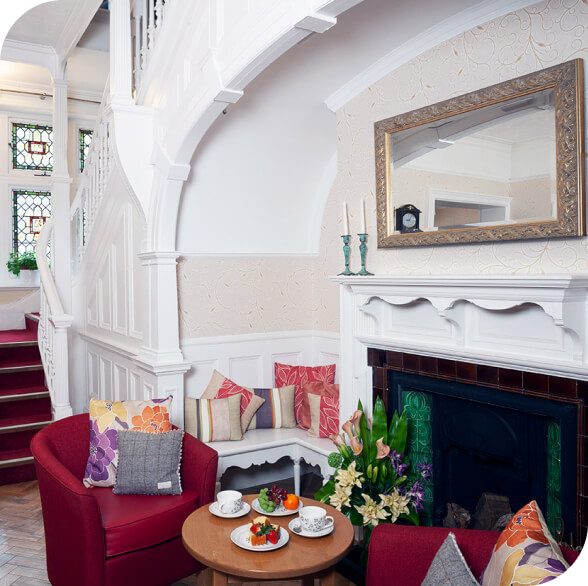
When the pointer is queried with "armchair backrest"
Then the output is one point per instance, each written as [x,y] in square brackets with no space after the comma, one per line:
[66,442]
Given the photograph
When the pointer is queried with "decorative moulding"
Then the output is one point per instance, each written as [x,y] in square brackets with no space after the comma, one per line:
[535,323]
[439,33]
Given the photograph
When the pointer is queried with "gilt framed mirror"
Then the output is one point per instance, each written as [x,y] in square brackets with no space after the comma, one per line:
[502,163]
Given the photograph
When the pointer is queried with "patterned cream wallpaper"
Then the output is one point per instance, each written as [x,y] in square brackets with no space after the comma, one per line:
[229,296]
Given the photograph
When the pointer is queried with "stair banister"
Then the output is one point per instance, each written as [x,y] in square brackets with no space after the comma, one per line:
[54,327]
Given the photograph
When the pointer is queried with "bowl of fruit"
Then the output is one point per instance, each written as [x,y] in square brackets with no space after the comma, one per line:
[276,501]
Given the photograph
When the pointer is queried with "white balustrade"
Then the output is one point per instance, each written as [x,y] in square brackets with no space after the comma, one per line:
[147,18]
[53,333]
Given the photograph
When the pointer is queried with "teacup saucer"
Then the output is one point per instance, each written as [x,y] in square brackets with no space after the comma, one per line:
[296,528]
[215,510]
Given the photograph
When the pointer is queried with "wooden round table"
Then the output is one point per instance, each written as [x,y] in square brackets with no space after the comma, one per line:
[207,538]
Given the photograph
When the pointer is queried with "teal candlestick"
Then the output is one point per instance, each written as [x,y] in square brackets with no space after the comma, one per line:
[362,251]
[346,250]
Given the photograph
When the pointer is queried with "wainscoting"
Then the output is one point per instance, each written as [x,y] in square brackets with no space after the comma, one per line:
[248,359]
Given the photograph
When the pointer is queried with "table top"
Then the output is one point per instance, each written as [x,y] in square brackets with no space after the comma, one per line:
[207,538]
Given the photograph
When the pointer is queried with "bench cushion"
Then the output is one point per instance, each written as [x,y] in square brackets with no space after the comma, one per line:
[133,522]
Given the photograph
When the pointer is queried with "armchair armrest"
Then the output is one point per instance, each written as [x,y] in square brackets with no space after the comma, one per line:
[69,509]
[199,464]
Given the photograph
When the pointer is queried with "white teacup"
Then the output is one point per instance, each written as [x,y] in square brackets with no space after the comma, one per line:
[315,519]
[229,501]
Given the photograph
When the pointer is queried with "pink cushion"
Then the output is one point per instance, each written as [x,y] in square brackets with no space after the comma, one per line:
[286,374]
[133,522]
[315,388]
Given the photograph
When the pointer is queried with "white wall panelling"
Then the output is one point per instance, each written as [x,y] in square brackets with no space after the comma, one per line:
[248,359]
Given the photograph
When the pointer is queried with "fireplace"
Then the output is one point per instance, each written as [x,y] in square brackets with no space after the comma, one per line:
[491,430]
[518,338]
[486,440]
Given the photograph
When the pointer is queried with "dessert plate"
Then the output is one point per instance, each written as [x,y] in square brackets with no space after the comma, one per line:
[295,526]
[240,537]
[280,511]
[215,510]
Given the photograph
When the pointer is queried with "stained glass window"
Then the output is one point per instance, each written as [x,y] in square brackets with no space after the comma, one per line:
[30,211]
[85,141]
[32,146]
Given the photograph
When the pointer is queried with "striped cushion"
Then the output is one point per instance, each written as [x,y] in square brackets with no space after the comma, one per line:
[278,408]
[214,420]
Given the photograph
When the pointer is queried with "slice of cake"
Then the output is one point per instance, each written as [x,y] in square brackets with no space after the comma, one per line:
[261,531]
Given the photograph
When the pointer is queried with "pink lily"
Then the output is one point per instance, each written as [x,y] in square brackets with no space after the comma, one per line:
[348,428]
[337,439]
[355,418]
[356,446]
[383,449]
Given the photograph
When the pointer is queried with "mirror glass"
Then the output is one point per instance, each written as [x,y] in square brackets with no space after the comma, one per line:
[484,166]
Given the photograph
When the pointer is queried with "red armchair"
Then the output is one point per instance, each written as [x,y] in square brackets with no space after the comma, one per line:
[400,555]
[94,537]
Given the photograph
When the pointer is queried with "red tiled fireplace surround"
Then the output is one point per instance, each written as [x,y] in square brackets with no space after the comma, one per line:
[566,390]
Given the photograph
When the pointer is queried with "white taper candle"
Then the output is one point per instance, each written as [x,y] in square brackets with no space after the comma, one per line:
[362,230]
[345,220]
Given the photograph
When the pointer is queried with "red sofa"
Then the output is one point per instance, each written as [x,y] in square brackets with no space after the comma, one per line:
[400,555]
[94,537]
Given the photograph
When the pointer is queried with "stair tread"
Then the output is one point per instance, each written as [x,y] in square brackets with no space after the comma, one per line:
[18,363]
[23,391]
[15,454]
[25,420]
[16,336]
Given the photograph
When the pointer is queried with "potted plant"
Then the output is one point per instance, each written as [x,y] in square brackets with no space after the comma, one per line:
[17,262]
[373,483]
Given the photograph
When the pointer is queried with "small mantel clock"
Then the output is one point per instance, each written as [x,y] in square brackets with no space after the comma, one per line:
[406,219]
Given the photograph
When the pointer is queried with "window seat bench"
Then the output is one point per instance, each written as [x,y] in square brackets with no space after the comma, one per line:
[260,446]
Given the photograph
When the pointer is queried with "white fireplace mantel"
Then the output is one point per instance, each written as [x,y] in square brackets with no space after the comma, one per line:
[534,323]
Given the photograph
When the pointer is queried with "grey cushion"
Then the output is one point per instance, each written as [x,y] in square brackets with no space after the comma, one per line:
[149,463]
[449,567]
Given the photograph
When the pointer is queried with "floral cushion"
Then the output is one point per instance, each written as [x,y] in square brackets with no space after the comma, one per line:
[220,387]
[525,552]
[109,417]
[285,374]
[325,389]
[324,415]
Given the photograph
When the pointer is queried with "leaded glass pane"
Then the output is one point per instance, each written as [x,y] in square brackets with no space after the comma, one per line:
[85,141]
[30,211]
[32,146]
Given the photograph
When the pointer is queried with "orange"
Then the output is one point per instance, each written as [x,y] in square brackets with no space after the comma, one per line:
[291,502]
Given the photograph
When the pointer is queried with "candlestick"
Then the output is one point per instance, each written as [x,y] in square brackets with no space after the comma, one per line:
[362,251]
[346,250]
[362,227]
[345,220]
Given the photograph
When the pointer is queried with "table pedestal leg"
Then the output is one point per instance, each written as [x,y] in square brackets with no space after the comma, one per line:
[308,581]
[220,578]
[328,579]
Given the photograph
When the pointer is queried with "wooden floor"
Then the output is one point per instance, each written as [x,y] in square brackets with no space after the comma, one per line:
[22,542]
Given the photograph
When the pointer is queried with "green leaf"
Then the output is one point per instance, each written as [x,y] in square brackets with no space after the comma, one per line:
[379,425]
[355,518]
[398,432]
[323,494]
[413,517]
[365,435]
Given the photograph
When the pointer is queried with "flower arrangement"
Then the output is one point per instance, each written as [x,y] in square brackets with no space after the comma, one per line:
[372,483]
[16,262]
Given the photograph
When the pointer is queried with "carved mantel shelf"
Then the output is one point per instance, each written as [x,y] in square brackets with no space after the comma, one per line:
[536,323]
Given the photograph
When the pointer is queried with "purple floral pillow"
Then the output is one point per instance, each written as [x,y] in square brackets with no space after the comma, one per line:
[525,552]
[107,418]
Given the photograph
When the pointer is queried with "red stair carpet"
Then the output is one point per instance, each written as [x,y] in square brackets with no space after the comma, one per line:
[25,405]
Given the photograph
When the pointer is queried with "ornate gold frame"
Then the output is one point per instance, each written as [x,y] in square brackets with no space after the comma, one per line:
[567,81]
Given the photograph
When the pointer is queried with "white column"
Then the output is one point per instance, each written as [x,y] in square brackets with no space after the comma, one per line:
[60,195]
[60,356]
[121,68]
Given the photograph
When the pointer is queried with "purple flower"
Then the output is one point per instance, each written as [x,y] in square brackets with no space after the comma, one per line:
[102,452]
[424,469]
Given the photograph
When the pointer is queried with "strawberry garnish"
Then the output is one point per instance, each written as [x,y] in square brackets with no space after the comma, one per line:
[254,529]
[272,537]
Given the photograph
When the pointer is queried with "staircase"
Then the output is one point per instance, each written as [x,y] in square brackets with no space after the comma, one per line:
[25,404]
